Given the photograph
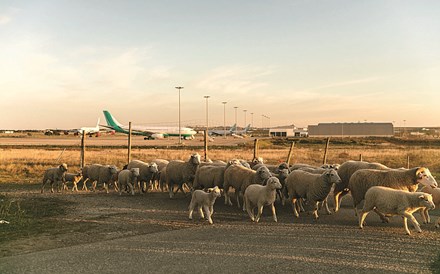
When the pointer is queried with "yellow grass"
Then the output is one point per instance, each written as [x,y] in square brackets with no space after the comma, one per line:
[27,165]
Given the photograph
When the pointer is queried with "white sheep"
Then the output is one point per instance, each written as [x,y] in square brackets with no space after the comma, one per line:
[312,187]
[404,179]
[345,171]
[240,178]
[205,200]
[395,202]
[180,172]
[96,173]
[211,176]
[128,177]
[73,178]
[146,173]
[161,164]
[435,192]
[54,175]
[259,196]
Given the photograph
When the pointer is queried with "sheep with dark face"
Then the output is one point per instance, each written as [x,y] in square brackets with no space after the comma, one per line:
[180,172]
[257,196]
[395,202]
[54,175]
[240,178]
[312,187]
[146,173]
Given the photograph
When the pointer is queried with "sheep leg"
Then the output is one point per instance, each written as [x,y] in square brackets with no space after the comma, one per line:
[315,210]
[237,196]
[131,188]
[274,214]
[325,204]
[294,204]
[438,223]
[208,214]
[211,210]
[202,216]
[94,185]
[42,187]
[121,187]
[260,212]
[51,186]
[227,197]
[85,184]
[382,216]
[106,187]
[191,209]
[337,200]
[170,190]
[405,225]
[413,221]
[362,217]
[300,204]
[425,215]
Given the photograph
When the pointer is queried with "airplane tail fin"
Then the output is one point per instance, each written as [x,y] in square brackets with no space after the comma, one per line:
[233,128]
[111,121]
[99,120]
[247,128]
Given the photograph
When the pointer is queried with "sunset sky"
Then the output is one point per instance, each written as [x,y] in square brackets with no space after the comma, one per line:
[298,62]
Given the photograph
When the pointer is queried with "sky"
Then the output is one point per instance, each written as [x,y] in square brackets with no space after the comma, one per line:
[288,62]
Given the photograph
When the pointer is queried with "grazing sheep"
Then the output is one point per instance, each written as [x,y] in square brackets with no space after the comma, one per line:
[312,187]
[146,173]
[395,202]
[259,196]
[345,171]
[73,178]
[161,165]
[180,172]
[240,178]
[403,179]
[435,192]
[205,200]
[54,175]
[211,176]
[128,177]
[97,173]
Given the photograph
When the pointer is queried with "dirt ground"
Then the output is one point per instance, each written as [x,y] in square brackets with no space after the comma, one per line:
[94,217]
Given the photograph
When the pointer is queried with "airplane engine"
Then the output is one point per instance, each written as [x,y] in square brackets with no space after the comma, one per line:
[157,136]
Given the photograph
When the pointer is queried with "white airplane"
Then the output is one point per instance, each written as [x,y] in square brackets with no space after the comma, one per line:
[221,132]
[89,130]
[149,132]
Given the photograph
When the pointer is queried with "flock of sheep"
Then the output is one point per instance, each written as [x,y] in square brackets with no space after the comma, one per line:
[384,190]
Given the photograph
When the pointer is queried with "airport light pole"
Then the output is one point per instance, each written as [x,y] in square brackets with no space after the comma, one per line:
[180,131]
[207,121]
[252,119]
[224,118]
[244,110]
[236,117]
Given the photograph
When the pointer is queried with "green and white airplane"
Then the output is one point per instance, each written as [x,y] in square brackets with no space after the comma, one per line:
[149,132]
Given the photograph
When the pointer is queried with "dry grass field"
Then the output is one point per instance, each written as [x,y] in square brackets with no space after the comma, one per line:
[41,222]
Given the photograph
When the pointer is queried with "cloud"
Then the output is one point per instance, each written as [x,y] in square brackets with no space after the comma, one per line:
[234,79]
[5,19]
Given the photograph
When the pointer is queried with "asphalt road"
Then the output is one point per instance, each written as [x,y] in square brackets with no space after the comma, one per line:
[334,244]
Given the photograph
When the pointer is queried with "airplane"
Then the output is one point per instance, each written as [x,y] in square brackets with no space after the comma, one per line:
[242,132]
[89,130]
[221,132]
[149,132]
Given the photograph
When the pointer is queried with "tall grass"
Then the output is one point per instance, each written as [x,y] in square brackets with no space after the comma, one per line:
[28,165]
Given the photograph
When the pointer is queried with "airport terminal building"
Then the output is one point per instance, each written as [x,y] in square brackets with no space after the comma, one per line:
[351,130]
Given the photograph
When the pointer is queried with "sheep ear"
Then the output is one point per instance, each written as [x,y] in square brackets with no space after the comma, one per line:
[422,197]
[210,190]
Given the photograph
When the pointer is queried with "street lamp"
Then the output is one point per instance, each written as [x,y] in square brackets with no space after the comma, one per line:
[180,131]
[207,123]
[236,117]
[244,110]
[224,118]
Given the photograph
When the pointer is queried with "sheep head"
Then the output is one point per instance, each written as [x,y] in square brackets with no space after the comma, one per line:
[216,192]
[112,169]
[332,176]
[426,201]
[274,183]
[63,167]
[425,177]
[135,171]
[195,159]
[263,172]
[153,168]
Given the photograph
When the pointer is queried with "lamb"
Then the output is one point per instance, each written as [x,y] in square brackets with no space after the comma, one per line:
[403,179]
[259,196]
[395,202]
[435,192]
[180,172]
[98,173]
[205,200]
[128,177]
[240,178]
[74,178]
[345,171]
[54,175]
[312,187]
[146,172]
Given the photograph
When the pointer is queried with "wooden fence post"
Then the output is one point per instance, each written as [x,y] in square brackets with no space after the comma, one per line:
[324,161]
[129,143]
[407,161]
[255,149]
[360,158]
[83,150]
[290,152]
